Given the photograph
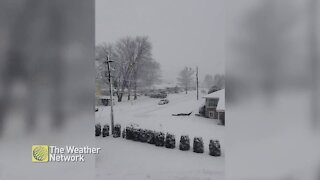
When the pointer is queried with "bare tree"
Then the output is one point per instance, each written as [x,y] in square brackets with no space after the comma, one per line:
[125,54]
[132,52]
[133,64]
[143,57]
[185,78]
[208,81]
[149,73]
[218,83]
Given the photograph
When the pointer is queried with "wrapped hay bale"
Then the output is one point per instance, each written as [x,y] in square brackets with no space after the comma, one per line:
[159,139]
[150,136]
[170,141]
[143,135]
[105,130]
[184,143]
[129,133]
[117,131]
[214,148]
[98,129]
[198,145]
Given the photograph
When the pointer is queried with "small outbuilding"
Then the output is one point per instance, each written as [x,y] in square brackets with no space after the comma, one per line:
[104,100]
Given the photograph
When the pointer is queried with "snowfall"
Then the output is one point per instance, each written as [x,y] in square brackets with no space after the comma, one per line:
[122,159]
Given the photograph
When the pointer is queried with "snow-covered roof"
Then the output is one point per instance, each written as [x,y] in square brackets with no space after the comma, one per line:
[221,96]
[103,97]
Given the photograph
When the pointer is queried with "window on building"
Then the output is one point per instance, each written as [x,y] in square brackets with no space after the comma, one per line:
[213,102]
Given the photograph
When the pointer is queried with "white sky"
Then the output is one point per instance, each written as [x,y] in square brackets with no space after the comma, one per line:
[183,32]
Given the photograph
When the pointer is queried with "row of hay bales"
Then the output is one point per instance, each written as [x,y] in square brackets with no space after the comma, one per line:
[159,138]
[105,130]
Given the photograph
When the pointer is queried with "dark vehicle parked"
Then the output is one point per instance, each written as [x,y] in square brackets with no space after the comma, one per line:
[159,95]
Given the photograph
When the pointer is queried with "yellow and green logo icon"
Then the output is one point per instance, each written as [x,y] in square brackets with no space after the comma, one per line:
[40,153]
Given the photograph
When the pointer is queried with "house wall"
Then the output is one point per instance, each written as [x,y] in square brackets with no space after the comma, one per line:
[211,110]
[210,99]
[211,113]
[221,117]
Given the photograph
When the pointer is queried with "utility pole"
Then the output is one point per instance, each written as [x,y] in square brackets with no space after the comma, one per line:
[111,92]
[197,84]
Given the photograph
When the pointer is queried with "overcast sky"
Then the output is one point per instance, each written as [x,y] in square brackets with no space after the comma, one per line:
[182,32]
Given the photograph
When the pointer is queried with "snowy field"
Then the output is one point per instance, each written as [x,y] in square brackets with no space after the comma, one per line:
[123,159]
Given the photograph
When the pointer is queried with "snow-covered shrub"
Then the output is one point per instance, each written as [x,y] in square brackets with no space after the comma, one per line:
[136,133]
[117,131]
[198,145]
[202,110]
[184,143]
[170,141]
[143,135]
[150,136]
[124,133]
[159,139]
[98,129]
[105,130]
[214,148]
[129,132]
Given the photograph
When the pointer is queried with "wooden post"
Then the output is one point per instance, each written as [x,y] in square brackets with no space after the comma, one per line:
[197,84]
[111,93]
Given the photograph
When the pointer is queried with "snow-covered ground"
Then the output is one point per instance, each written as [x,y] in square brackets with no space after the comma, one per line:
[124,159]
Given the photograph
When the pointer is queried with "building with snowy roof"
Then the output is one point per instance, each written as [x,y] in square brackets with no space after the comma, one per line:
[215,105]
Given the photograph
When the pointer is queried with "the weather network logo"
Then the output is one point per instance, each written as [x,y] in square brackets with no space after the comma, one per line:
[46,153]
[40,153]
